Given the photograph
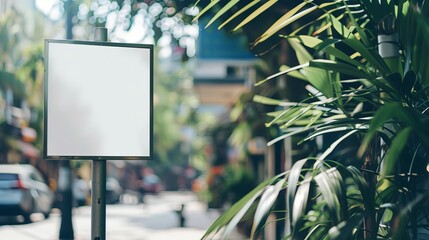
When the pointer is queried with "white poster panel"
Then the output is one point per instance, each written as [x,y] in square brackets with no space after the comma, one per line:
[98,100]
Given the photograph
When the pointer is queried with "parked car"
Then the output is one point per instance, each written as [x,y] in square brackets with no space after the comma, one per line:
[23,192]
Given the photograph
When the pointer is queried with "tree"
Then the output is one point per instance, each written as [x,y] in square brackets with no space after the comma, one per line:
[163,22]
[21,75]
[376,98]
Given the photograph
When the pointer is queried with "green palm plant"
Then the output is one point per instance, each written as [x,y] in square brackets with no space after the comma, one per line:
[362,94]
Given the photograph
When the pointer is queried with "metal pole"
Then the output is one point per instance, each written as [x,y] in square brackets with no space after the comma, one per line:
[98,200]
[98,194]
[65,174]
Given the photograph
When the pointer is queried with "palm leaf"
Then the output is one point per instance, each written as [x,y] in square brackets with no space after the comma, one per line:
[338,67]
[285,20]
[237,216]
[327,46]
[395,150]
[331,186]
[221,12]
[208,7]
[339,27]
[324,25]
[239,12]
[230,215]
[295,74]
[414,35]
[319,78]
[373,57]
[284,116]
[267,200]
[256,13]
[335,144]
[425,9]
[301,204]
[345,228]
[289,134]
[328,24]
[385,113]
[282,73]
[292,16]
[293,180]
[266,100]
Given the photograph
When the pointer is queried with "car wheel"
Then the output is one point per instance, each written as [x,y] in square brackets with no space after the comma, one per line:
[27,215]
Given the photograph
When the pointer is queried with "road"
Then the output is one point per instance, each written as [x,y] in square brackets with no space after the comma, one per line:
[156,219]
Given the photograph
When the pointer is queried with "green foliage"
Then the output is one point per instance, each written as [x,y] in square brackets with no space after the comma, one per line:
[21,65]
[10,35]
[381,102]
[230,186]
[173,110]
[234,214]
[164,20]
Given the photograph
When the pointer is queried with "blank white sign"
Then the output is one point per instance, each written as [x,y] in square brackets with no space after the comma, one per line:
[98,100]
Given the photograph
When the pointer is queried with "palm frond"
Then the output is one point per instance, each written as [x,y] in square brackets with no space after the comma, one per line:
[234,214]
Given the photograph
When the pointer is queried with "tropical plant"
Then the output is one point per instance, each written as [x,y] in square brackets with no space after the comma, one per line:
[374,102]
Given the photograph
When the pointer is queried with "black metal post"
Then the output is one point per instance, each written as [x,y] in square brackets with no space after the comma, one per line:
[65,181]
[98,194]
[64,187]
[98,200]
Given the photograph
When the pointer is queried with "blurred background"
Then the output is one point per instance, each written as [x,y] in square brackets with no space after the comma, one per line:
[209,136]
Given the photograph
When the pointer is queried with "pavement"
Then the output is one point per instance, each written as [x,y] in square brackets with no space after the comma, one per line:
[155,219]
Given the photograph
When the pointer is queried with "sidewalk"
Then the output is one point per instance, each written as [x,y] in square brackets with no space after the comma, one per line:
[156,219]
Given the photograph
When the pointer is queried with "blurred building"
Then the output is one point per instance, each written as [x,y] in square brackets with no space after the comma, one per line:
[223,69]
[22,30]
[224,72]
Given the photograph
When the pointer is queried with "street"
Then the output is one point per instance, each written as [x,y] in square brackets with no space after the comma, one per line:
[156,219]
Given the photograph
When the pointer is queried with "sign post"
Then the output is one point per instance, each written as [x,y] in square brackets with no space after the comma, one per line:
[98,200]
[98,105]
[98,193]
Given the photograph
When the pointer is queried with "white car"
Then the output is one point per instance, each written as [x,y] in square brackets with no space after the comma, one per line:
[23,192]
